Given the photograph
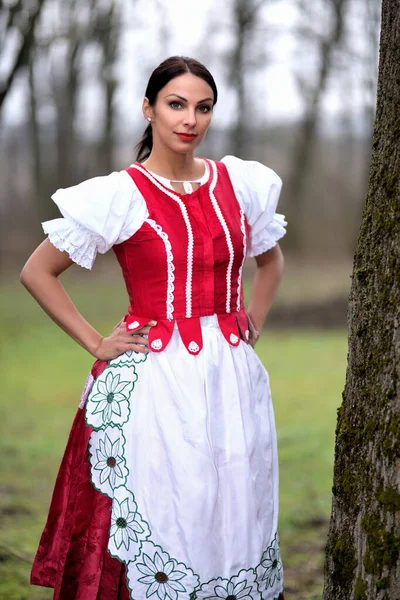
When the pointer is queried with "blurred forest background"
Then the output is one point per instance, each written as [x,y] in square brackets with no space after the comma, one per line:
[297,91]
[297,82]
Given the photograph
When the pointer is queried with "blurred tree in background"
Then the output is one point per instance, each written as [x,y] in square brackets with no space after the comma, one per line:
[17,21]
[326,38]
[242,62]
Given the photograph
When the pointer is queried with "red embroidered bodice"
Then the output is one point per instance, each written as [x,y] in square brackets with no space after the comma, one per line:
[186,260]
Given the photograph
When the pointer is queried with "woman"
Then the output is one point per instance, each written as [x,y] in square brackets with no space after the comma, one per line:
[169,483]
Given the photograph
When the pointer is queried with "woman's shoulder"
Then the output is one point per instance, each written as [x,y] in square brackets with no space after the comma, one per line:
[101,186]
[109,206]
[257,189]
[98,195]
[250,171]
[252,181]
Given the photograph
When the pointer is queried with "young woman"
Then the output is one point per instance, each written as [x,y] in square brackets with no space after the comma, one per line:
[169,484]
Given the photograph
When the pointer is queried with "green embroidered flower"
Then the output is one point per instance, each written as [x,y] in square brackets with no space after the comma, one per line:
[124,523]
[269,570]
[242,586]
[161,577]
[157,575]
[240,591]
[109,462]
[128,357]
[109,397]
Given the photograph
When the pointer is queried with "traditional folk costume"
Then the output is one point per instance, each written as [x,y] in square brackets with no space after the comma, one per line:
[168,488]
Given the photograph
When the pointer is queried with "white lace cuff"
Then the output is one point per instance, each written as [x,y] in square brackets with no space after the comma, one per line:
[267,237]
[69,236]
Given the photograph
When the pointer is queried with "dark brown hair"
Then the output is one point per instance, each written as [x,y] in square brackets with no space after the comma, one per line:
[169,69]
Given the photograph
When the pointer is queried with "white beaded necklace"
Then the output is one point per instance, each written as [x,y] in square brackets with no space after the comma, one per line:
[187,183]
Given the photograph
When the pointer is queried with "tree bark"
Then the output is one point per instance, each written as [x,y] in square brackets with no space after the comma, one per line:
[363,549]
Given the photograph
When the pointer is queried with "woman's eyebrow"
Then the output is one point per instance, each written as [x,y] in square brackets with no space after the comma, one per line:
[185,100]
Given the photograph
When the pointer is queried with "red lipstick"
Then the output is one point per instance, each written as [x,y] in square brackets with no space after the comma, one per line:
[187,137]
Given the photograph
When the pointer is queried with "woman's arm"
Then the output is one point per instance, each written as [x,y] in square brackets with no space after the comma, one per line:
[265,284]
[40,277]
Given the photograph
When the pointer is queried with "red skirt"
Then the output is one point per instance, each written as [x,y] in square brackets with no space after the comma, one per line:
[72,556]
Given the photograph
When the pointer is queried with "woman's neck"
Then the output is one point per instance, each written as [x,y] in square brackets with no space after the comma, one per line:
[174,166]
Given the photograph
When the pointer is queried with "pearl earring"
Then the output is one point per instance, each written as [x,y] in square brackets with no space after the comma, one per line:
[149,119]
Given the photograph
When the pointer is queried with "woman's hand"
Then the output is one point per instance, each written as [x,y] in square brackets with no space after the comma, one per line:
[253,333]
[121,341]
[265,284]
[40,277]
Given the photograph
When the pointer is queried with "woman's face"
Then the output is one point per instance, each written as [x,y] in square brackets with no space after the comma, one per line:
[181,114]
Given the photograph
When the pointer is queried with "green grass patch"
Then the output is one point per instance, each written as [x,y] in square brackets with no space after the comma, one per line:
[43,373]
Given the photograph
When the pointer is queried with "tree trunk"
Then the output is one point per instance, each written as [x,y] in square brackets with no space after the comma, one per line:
[245,15]
[363,549]
[108,34]
[243,22]
[36,147]
[65,95]
[305,138]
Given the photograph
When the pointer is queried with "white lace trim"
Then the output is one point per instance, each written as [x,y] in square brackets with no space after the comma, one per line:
[170,266]
[267,237]
[189,272]
[239,281]
[69,236]
[227,236]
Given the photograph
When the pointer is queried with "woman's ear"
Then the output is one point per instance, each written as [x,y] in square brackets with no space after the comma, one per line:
[147,110]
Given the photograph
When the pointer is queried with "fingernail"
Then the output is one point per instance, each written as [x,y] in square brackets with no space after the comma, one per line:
[152,323]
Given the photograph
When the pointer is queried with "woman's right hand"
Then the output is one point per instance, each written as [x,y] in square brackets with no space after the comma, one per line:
[253,333]
[121,341]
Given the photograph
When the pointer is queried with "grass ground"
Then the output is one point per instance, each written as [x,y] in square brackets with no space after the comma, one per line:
[42,376]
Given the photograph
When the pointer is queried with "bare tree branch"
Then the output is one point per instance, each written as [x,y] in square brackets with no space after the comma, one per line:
[22,57]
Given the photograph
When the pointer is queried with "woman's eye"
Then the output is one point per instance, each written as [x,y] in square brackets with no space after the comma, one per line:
[205,109]
[175,104]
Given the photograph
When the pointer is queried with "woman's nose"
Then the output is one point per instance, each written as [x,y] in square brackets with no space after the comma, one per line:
[190,118]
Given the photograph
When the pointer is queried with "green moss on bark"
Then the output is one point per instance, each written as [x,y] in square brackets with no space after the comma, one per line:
[341,550]
[391,185]
[347,485]
[360,589]
[383,547]
[382,584]
[391,441]
[362,273]
[389,498]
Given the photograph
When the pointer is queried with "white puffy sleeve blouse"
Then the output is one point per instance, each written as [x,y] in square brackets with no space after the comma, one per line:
[97,214]
[108,210]
[257,189]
